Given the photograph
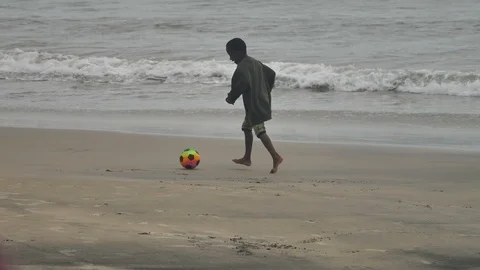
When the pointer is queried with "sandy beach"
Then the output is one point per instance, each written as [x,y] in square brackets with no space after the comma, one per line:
[100,200]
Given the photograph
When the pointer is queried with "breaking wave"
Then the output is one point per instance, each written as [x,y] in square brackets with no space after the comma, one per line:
[43,66]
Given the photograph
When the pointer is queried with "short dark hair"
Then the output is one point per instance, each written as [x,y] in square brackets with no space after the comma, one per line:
[237,44]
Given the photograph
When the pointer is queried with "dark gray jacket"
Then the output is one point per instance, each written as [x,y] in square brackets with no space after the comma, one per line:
[254,80]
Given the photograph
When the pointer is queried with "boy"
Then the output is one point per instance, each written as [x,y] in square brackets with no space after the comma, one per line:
[254,81]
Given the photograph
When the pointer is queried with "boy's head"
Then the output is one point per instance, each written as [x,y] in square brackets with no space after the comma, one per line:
[236,49]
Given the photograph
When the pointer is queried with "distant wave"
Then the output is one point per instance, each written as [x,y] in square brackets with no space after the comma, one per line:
[43,66]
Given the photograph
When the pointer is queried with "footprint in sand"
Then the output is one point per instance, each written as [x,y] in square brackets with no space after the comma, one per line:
[123,213]
[30,202]
[68,252]
[6,195]
[57,229]
[376,250]
[212,232]
[87,240]
[224,246]
[171,236]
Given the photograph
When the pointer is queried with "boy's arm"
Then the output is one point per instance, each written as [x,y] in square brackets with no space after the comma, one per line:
[239,86]
[269,76]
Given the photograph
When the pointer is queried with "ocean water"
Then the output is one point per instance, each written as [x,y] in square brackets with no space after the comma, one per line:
[367,71]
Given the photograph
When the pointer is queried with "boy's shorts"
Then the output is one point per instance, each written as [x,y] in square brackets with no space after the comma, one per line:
[259,129]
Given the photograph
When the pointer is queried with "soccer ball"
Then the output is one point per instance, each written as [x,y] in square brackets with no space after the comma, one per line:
[190,158]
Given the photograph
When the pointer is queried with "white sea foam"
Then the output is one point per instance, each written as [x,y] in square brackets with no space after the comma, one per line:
[34,65]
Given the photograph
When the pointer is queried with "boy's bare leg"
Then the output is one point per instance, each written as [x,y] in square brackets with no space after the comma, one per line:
[247,158]
[277,159]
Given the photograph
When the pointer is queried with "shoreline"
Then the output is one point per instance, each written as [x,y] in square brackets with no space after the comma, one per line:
[398,128]
[441,148]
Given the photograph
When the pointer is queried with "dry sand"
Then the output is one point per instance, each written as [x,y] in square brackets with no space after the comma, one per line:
[99,200]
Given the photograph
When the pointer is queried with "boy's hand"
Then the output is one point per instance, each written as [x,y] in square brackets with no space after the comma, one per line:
[229,101]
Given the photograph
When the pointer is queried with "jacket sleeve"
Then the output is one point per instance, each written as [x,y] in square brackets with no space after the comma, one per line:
[240,85]
[269,76]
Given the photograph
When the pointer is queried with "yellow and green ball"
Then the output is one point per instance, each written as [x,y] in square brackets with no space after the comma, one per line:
[190,158]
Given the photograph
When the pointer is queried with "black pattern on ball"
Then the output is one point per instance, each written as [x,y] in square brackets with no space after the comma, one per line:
[181,158]
[191,157]
[188,166]
[188,149]
[198,162]
[197,152]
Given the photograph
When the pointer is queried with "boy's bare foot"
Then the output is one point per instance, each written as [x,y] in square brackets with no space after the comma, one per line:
[242,161]
[276,162]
